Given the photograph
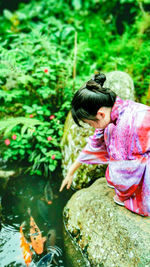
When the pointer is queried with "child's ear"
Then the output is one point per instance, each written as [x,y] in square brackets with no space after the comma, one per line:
[101,113]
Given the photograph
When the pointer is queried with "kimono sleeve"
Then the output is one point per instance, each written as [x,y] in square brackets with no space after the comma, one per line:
[95,151]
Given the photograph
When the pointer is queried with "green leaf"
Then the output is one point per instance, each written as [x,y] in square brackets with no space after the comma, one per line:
[38,172]
[21,16]
[21,151]
[60,132]
[7,125]
[45,169]
[28,109]
[52,167]
[43,159]
[77,4]
[66,31]
[7,14]
[43,150]
[23,129]
[32,156]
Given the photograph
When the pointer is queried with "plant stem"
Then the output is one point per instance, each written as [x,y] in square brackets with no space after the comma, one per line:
[141,7]
[75,58]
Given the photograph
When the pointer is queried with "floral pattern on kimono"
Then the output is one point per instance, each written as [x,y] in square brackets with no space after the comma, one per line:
[125,146]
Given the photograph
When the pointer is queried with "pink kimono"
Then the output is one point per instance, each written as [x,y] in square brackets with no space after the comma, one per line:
[125,145]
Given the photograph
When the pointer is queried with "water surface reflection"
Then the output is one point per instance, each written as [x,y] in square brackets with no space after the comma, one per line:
[29,193]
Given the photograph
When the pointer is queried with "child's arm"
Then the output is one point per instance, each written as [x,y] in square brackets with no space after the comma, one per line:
[94,153]
[69,177]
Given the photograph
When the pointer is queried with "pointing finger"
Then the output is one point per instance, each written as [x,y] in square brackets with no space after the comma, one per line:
[62,185]
[69,184]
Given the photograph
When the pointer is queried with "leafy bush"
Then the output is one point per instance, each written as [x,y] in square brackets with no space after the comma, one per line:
[38,66]
[34,143]
[35,80]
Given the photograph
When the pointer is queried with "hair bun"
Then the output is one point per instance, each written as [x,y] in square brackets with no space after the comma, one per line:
[92,85]
[100,78]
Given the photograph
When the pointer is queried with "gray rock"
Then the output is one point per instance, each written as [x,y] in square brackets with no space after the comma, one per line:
[4,178]
[6,174]
[74,138]
[121,83]
[73,253]
[109,234]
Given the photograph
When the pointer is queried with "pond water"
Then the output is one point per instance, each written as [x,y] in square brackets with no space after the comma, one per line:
[27,196]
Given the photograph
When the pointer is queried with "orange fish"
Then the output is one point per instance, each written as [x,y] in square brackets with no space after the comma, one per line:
[48,202]
[27,254]
[37,241]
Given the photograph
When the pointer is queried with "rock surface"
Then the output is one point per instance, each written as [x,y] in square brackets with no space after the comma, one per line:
[73,254]
[121,83]
[4,178]
[75,138]
[110,235]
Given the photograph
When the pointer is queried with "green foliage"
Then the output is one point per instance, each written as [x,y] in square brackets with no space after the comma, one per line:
[31,141]
[37,61]
[7,125]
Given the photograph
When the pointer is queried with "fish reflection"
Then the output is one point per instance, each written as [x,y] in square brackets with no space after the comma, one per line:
[43,210]
[49,259]
[51,238]
[48,193]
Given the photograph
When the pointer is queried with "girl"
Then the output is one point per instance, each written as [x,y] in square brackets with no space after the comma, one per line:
[121,140]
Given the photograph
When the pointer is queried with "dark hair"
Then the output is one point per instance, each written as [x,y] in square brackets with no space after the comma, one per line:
[90,98]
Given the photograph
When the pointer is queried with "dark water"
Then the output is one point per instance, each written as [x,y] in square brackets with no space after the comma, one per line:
[11,5]
[26,192]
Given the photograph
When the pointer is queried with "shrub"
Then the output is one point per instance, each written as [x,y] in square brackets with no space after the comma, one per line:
[39,70]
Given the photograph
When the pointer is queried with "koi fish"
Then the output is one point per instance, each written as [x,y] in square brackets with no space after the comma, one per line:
[48,193]
[37,241]
[27,254]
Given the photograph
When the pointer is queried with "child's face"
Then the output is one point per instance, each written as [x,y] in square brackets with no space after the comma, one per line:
[103,116]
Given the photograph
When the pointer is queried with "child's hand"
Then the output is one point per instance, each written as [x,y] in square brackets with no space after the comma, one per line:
[66,182]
